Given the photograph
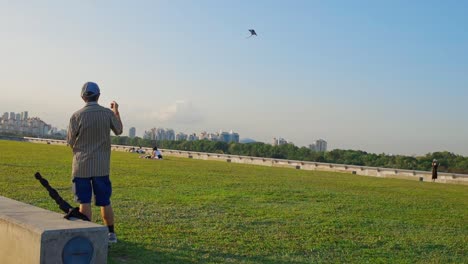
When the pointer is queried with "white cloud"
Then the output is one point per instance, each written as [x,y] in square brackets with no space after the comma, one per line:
[182,111]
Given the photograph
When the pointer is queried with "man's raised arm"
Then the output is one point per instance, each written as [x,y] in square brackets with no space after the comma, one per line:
[116,124]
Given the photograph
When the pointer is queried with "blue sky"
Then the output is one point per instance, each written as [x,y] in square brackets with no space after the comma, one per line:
[380,76]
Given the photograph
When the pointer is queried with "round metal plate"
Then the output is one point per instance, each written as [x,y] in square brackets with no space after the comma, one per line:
[78,250]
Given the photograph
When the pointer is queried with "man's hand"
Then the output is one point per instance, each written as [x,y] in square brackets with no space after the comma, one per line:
[114,107]
[116,125]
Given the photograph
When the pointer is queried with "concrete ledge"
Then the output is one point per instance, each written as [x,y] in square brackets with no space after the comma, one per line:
[30,234]
[303,165]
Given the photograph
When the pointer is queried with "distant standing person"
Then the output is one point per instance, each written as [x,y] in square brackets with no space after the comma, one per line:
[435,166]
[89,137]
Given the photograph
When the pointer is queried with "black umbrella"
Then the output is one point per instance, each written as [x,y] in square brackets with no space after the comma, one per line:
[64,206]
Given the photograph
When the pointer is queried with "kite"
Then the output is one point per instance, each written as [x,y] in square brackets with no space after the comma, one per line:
[252,33]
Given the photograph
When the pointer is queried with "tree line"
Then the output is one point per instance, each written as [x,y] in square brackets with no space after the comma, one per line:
[449,162]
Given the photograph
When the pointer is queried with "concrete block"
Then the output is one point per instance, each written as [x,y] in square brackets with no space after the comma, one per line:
[30,234]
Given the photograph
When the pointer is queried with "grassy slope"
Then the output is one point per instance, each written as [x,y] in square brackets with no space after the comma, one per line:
[189,211]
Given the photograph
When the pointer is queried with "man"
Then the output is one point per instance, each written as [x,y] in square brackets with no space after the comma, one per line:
[89,137]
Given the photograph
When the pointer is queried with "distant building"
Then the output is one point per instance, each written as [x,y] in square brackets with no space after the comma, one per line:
[233,137]
[319,145]
[224,136]
[203,135]
[192,137]
[181,136]
[21,124]
[170,134]
[31,126]
[279,141]
[160,134]
[62,132]
[213,137]
[150,134]
[147,135]
[132,132]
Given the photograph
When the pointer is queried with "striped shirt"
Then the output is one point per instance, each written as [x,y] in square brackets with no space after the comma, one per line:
[89,137]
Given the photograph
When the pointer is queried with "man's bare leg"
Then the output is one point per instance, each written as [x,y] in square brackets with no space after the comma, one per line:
[107,215]
[86,210]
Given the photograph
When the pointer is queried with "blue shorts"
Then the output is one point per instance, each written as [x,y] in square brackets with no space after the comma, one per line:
[83,189]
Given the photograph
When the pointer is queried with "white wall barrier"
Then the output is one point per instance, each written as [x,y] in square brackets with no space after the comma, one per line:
[295,164]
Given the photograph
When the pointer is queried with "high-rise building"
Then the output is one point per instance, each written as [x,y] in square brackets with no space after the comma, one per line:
[192,137]
[132,132]
[224,136]
[147,134]
[25,115]
[203,135]
[319,145]
[181,136]
[212,137]
[151,134]
[160,134]
[15,123]
[279,141]
[170,134]
[234,137]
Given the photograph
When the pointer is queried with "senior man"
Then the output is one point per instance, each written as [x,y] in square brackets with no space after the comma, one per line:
[89,137]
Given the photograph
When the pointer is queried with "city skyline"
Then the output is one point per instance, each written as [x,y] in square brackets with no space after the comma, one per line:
[22,124]
[153,133]
[19,123]
[382,77]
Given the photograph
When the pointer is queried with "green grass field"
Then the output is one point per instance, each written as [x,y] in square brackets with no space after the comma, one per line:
[192,211]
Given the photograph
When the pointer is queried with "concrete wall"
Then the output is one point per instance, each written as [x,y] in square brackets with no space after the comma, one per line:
[29,234]
[303,165]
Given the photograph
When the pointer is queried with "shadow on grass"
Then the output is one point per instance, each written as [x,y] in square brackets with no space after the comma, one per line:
[129,253]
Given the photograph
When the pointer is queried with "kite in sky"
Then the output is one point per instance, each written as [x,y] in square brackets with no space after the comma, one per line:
[252,33]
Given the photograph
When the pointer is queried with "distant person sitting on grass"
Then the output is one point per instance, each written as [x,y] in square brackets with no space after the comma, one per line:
[155,154]
[140,150]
